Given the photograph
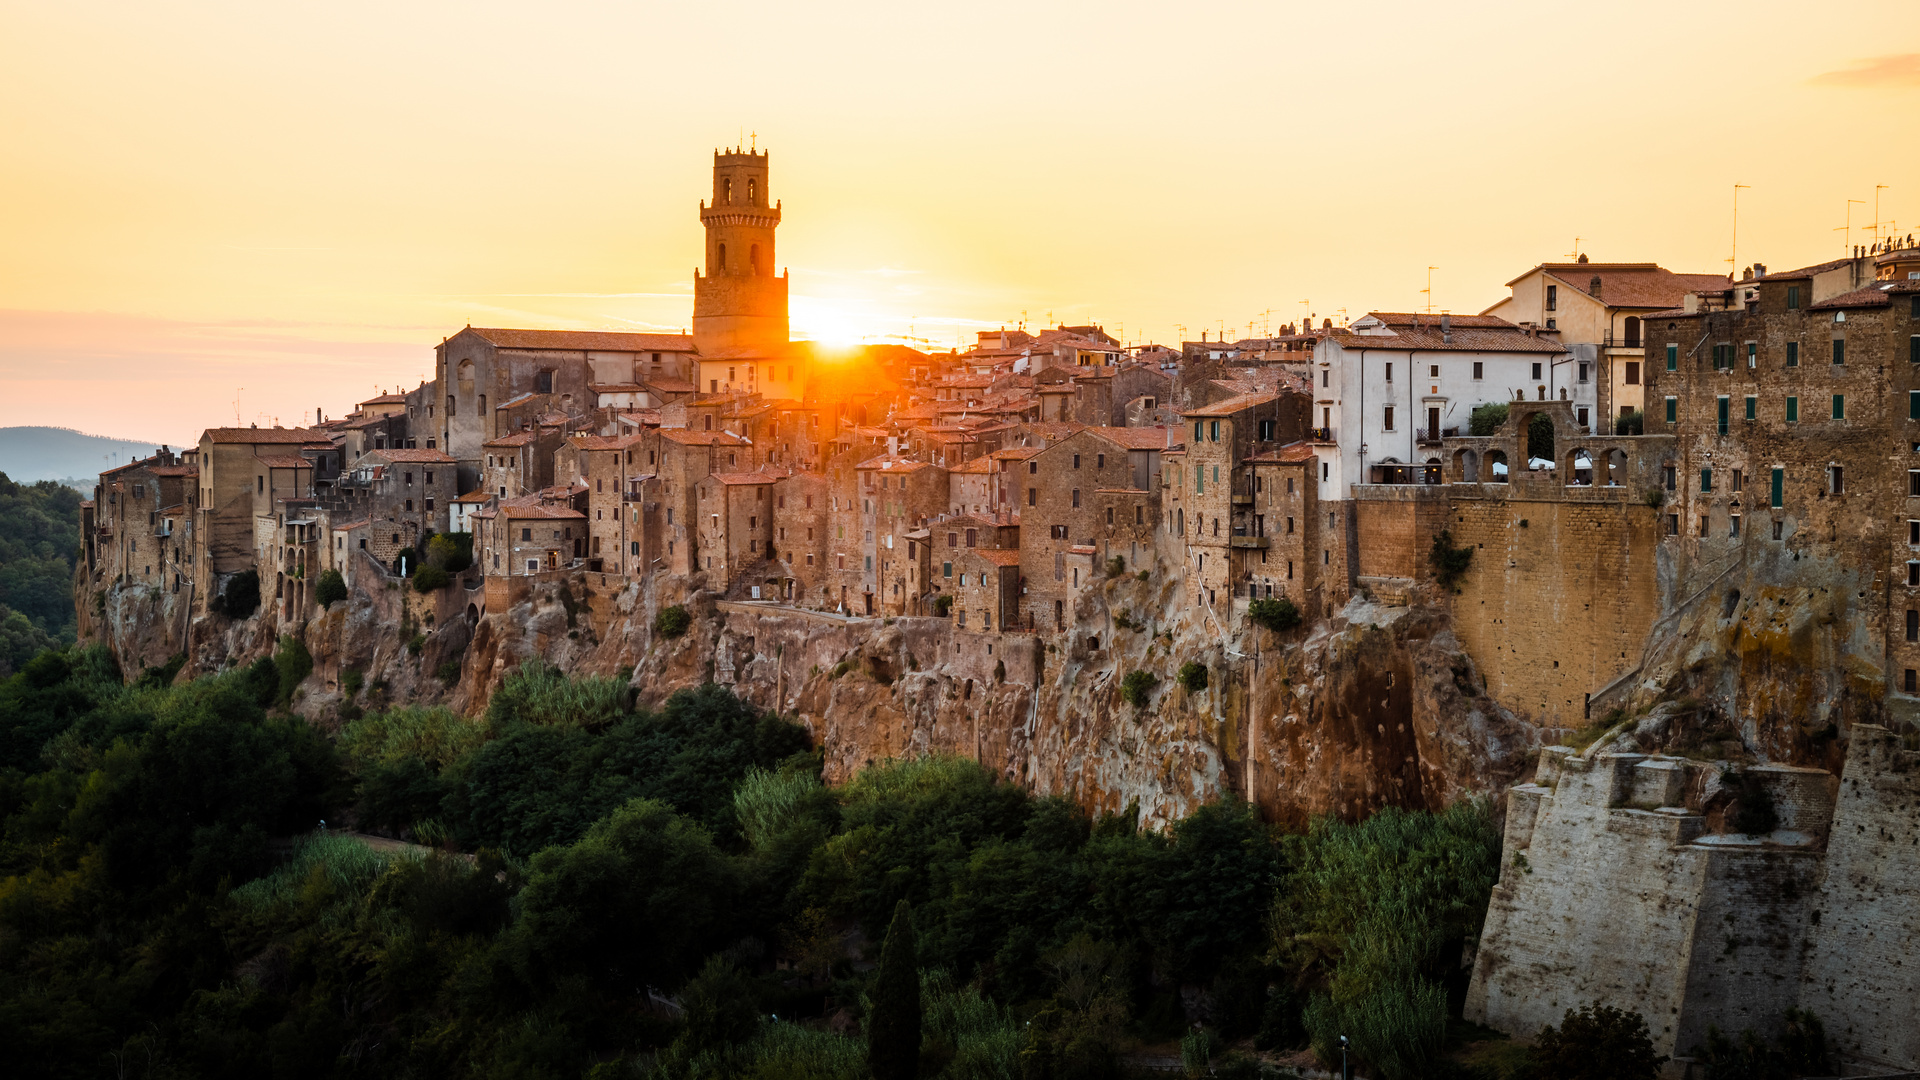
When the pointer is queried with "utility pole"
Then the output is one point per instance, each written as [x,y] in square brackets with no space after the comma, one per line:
[1733,254]
[1848,227]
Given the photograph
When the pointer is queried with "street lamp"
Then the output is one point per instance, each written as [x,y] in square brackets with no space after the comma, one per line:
[1344,1074]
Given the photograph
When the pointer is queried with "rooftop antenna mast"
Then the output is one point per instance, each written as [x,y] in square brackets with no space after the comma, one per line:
[1848,227]
[1733,254]
[1306,321]
[1575,253]
[1877,223]
[236,405]
[1428,290]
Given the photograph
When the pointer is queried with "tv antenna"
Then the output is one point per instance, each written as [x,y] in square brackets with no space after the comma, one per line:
[1733,253]
[1575,253]
[1848,227]
[1877,223]
[1428,291]
[236,405]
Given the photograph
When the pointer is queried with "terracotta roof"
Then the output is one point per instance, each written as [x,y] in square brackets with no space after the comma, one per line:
[701,438]
[743,477]
[977,465]
[1233,405]
[516,400]
[174,470]
[1633,285]
[262,436]
[609,442]
[1878,294]
[1083,549]
[414,457]
[616,388]
[1121,491]
[1056,429]
[998,556]
[283,461]
[518,438]
[1292,452]
[474,497]
[536,509]
[361,524]
[1801,272]
[386,399]
[893,465]
[671,386]
[1464,339]
[597,340]
[1015,453]
[1139,438]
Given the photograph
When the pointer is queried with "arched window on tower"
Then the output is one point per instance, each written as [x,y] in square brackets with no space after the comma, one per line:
[726,190]
[753,260]
[753,192]
[720,259]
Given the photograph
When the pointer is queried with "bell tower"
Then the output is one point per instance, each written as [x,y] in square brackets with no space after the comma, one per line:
[739,302]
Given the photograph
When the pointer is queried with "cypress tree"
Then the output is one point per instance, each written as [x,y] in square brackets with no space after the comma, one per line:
[893,1028]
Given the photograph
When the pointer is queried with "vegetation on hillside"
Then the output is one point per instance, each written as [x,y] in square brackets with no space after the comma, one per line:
[39,542]
[612,892]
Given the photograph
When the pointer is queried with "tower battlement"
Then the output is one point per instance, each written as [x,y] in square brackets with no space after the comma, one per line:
[739,295]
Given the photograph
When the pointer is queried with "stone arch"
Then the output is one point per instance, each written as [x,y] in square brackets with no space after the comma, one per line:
[753,260]
[1466,465]
[1497,470]
[473,614]
[720,258]
[1579,468]
[1616,462]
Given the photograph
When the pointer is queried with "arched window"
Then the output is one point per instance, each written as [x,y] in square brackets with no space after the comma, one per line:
[726,191]
[720,259]
[753,192]
[753,260]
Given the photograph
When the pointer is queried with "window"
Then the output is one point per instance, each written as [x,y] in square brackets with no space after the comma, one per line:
[1720,406]
[1913,625]
[526,534]
[1553,298]
[1632,374]
[1673,357]
[1199,428]
[1033,496]
[1033,467]
[1839,350]
[1706,481]
[1733,527]
[1389,372]
[1777,528]
[1793,298]
[1839,406]
[1433,370]
[1777,488]
[1703,525]
[1913,575]
[1076,463]
[1580,416]
[946,569]
[1673,524]
[1753,354]
[1583,371]
[1479,369]
[1213,431]
[1536,372]
[1793,354]
[1673,410]
[1388,414]
[1913,349]
[1913,534]
[1836,480]
[1076,498]
[1753,406]
[1099,461]
[1793,410]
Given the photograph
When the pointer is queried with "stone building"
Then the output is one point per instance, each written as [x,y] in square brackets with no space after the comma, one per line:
[479,369]
[1069,489]
[143,521]
[1596,309]
[986,589]
[404,493]
[735,516]
[896,496]
[605,467]
[518,463]
[800,521]
[234,492]
[681,459]
[1216,493]
[530,535]
[1796,422]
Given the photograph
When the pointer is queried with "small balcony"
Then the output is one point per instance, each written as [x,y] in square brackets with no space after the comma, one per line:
[1320,434]
[1431,436]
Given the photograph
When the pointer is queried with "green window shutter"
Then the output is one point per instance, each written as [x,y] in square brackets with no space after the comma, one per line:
[1673,358]
[1779,483]
[1913,404]
[1199,479]
[1793,354]
[1839,406]
[1720,409]
[1753,404]
[946,569]
[1793,410]
[1197,427]
[1706,481]
[1913,349]
[1839,350]
[1673,410]
[1793,297]
[1753,354]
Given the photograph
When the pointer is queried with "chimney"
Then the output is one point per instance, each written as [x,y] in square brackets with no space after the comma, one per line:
[1593,286]
[893,446]
[1446,328]
[319,417]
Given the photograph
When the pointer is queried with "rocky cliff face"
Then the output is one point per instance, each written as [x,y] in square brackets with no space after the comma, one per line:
[1376,707]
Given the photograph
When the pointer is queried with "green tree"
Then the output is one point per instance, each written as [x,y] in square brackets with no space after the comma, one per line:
[1137,688]
[331,588]
[672,621]
[893,1025]
[1598,1042]
[239,597]
[1276,613]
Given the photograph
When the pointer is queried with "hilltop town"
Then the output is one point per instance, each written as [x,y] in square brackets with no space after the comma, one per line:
[1659,522]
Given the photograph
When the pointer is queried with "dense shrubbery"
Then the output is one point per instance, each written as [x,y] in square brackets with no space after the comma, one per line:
[672,621]
[330,589]
[239,597]
[1276,613]
[622,857]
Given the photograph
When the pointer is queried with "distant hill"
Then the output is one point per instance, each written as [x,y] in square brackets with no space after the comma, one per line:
[28,454]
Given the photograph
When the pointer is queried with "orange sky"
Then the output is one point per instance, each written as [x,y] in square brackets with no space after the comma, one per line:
[221,209]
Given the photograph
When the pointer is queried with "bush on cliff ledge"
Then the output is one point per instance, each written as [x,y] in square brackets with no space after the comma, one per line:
[429,578]
[1278,613]
[1137,687]
[672,621]
[330,589]
[240,598]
